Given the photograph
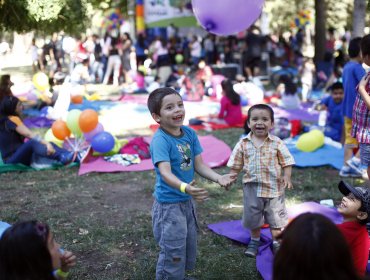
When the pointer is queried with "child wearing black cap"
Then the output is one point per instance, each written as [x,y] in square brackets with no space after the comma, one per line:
[355,209]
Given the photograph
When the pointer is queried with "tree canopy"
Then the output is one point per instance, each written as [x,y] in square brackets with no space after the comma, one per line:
[70,16]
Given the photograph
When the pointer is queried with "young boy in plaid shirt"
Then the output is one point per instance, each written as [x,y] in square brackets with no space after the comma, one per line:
[361,109]
[267,166]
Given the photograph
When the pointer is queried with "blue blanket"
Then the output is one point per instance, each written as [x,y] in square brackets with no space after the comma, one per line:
[326,155]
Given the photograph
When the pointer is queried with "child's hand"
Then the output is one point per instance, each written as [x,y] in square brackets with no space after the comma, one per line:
[68,260]
[287,182]
[227,180]
[199,194]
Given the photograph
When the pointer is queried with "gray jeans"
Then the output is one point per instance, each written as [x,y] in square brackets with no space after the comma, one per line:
[175,231]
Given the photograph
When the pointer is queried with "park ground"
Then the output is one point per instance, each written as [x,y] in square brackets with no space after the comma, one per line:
[105,218]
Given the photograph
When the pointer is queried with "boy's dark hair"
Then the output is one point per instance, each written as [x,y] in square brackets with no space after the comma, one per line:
[354,47]
[365,45]
[362,194]
[313,247]
[156,97]
[24,252]
[261,107]
[336,85]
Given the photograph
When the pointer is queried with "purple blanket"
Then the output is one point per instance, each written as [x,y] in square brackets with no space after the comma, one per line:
[304,113]
[264,261]
[37,122]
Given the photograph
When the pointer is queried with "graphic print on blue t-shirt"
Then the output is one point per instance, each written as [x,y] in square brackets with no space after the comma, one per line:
[185,152]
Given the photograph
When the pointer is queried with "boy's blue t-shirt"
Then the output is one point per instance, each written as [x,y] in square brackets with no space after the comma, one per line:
[352,75]
[335,118]
[180,152]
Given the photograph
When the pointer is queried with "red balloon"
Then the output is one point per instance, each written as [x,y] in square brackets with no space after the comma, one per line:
[88,120]
[60,129]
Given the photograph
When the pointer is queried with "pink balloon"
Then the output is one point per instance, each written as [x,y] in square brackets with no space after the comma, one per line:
[89,135]
[226,17]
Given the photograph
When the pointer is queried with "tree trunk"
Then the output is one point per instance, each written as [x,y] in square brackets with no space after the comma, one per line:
[359,13]
[320,29]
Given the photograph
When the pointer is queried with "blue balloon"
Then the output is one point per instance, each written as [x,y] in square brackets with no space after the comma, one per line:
[243,100]
[103,142]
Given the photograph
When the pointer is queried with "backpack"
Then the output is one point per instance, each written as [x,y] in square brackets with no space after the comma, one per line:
[137,146]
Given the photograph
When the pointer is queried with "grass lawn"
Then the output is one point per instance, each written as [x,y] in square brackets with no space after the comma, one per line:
[105,218]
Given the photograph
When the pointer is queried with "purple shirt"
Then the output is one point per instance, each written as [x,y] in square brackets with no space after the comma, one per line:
[231,113]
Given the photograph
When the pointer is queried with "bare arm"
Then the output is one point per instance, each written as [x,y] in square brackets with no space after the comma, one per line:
[27,133]
[198,194]
[287,177]
[205,171]
[362,90]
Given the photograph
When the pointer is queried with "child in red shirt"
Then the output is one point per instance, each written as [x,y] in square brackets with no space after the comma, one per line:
[355,209]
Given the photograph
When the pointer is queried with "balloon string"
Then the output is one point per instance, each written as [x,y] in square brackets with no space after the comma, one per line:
[71,144]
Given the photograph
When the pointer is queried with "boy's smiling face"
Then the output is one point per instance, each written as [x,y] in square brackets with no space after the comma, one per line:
[349,208]
[172,113]
[260,122]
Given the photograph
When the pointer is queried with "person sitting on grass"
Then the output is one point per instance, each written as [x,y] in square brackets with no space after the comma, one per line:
[29,251]
[230,111]
[312,247]
[13,148]
[333,105]
[355,209]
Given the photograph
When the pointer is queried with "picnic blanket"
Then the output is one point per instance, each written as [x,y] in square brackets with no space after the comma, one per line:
[264,260]
[304,113]
[215,153]
[326,155]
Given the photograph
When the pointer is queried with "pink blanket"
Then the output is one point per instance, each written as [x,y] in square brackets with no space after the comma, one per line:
[215,153]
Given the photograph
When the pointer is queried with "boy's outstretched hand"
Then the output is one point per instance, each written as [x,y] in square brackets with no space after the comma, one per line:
[227,180]
[199,194]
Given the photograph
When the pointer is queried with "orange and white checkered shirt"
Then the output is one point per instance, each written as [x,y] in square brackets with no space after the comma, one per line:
[262,165]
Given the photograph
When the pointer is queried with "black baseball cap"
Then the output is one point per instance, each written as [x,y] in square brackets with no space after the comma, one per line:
[361,193]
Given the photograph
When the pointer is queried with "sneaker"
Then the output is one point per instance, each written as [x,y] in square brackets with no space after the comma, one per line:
[275,247]
[349,172]
[252,249]
[355,164]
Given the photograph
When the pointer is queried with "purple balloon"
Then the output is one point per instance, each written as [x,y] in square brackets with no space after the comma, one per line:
[226,17]
[102,142]
[89,135]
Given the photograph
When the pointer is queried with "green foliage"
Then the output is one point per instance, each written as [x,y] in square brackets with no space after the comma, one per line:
[44,15]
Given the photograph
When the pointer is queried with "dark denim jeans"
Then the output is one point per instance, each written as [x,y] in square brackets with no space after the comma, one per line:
[25,152]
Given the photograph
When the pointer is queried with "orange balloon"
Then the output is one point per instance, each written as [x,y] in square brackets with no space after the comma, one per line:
[60,129]
[77,99]
[88,120]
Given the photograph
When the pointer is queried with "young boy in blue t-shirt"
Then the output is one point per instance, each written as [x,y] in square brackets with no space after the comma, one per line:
[176,154]
[333,105]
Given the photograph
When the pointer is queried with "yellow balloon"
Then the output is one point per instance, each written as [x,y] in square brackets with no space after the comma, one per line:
[40,81]
[310,141]
[49,136]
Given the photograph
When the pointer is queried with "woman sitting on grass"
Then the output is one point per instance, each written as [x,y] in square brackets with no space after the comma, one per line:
[29,251]
[230,111]
[13,148]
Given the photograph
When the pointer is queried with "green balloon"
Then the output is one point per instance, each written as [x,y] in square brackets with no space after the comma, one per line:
[179,58]
[72,122]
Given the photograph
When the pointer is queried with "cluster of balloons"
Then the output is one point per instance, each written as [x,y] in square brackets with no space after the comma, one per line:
[303,18]
[227,17]
[310,141]
[84,124]
[113,19]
